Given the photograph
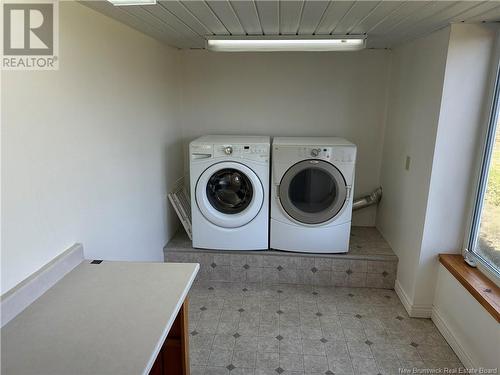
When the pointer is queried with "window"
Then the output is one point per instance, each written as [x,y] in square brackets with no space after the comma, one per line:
[484,242]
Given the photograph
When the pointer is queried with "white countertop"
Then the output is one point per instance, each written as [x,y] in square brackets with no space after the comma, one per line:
[108,318]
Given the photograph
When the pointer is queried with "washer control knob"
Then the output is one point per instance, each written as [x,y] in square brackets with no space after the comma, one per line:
[315,152]
[228,150]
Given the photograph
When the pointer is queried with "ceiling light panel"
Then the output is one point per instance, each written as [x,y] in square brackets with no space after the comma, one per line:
[285,44]
[132,2]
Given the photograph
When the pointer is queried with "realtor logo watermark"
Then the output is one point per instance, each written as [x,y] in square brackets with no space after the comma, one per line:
[448,370]
[30,39]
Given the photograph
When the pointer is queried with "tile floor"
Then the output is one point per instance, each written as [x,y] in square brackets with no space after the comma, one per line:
[259,329]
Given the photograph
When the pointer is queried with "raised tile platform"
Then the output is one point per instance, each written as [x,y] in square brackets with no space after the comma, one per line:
[370,262]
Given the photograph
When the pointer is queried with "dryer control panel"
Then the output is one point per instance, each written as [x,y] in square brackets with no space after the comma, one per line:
[332,154]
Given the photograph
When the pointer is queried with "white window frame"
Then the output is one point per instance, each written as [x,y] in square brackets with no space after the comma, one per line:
[492,115]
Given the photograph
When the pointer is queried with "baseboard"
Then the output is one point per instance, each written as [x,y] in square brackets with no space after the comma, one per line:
[441,325]
[27,291]
[413,310]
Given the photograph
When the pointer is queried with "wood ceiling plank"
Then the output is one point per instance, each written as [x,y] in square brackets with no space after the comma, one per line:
[185,24]
[290,15]
[383,9]
[431,23]
[118,14]
[169,18]
[247,14]
[186,16]
[488,15]
[165,29]
[355,15]
[406,10]
[479,10]
[202,11]
[432,8]
[333,14]
[311,16]
[149,19]
[227,15]
[269,16]
[454,10]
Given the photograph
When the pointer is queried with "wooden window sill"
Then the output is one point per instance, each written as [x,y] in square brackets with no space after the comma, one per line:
[485,291]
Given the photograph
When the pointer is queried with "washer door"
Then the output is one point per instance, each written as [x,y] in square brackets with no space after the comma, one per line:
[229,194]
[313,191]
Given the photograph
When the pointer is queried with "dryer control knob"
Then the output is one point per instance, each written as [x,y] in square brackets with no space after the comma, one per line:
[228,150]
[315,152]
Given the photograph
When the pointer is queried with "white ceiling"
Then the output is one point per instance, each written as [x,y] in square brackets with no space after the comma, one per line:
[186,23]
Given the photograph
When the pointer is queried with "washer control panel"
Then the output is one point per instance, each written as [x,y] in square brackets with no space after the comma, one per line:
[238,150]
[258,152]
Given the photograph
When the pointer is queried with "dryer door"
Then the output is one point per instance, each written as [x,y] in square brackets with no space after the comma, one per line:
[313,191]
[229,194]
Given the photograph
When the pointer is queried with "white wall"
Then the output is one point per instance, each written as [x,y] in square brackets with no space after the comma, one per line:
[470,330]
[295,94]
[89,151]
[459,136]
[435,115]
[413,112]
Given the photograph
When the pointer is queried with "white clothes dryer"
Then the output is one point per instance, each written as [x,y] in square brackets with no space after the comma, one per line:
[311,194]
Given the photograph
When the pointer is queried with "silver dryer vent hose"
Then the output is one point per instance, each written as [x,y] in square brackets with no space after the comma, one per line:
[367,200]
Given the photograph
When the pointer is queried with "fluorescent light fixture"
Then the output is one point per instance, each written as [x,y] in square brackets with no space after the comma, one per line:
[132,2]
[267,44]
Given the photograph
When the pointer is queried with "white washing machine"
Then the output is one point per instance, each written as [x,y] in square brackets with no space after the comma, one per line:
[312,194]
[229,179]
